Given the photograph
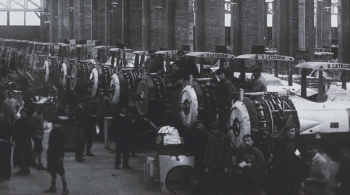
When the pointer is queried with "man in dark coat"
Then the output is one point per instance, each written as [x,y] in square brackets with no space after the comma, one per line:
[23,130]
[103,110]
[37,120]
[55,155]
[217,159]
[286,163]
[252,163]
[5,148]
[120,127]
[225,98]
[80,115]
[201,136]
[186,67]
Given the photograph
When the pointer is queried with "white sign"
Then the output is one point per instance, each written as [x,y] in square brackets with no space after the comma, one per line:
[274,57]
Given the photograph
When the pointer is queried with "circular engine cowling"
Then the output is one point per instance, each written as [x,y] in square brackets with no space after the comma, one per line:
[197,101]
[80,75]
[150,95]
[262,116]
[117,87]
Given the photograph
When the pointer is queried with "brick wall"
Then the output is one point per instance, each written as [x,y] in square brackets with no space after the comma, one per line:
[100,23]
[252,24]
[135,25]
[293,27]
[183,23]
[214,24]
[157,10]
[87,19]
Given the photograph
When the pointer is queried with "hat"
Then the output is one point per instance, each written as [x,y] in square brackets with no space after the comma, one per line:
[56,120]
[199,121]
[100,90]
[255,69]
[289,126]
[151,50]
[180,52]
[311,144]
[214,125]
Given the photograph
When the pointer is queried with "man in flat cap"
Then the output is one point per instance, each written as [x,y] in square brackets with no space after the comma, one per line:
[201,136]
[152,64]
[317,182]
[257,83]
[103,110]
[217,159]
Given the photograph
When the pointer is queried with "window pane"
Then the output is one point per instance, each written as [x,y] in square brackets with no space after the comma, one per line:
[269,20]
[17,4]
[3,18]
[32,19]
[33,4]
[334,20]
[17,18]
[227,20]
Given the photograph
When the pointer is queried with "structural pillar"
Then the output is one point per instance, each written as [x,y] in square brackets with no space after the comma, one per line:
[310,28]
[282,28]
[236,26]
[199,25]
[323,24]
[301,37]
[125,23]
[344,31]
[53,21]
[145,24]
[169,38]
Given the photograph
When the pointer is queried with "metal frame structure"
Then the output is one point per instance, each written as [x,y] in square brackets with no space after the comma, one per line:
[9,6]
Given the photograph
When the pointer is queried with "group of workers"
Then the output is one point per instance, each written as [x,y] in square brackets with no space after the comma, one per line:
[30,127]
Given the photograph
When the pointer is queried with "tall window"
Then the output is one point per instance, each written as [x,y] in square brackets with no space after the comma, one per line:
[32,19]
[17,18]
[3,18]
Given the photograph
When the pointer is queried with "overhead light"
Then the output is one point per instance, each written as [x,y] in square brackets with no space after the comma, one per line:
[327,8]
[157,7]
[114,4]
[47,22]
[71,9]
[233,4]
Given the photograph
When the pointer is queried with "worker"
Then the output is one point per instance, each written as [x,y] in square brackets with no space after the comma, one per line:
[152,63]
[225,97]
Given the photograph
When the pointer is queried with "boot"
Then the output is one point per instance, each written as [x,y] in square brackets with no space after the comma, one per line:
[52,189]
[20,172]
[41,167]
[26,171]
[34,164]
[88,153]
[65,189]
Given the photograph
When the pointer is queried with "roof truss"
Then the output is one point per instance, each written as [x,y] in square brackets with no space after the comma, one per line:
[22,5]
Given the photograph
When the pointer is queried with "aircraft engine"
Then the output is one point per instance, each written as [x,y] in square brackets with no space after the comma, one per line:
[198,101]
[262,116]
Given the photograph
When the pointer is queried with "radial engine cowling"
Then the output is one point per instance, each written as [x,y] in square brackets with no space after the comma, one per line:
[262,116]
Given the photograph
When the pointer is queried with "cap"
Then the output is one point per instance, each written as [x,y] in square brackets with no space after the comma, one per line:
[289,126]
[199,121]
[255,69]
[214,125]
[56,120]
[100,90]
[180,52]
[311,144]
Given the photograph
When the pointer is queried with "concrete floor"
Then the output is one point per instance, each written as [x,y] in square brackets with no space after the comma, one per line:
[95,176]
